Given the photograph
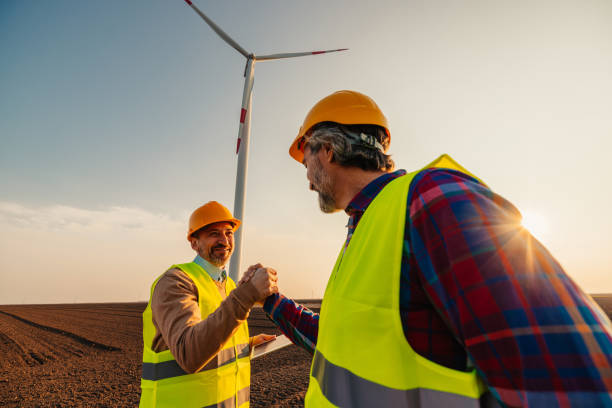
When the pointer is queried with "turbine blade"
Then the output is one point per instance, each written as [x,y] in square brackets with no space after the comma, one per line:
[294,54]
[219,31]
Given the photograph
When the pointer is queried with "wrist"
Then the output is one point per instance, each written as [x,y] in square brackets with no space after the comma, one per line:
[270,301]
[246,294]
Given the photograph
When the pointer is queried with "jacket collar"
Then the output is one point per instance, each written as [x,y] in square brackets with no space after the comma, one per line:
[216,273]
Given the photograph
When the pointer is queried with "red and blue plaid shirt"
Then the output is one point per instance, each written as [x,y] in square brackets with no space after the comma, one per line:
[476,289]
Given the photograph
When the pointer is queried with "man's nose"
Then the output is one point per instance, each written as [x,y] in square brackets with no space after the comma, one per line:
[224,239]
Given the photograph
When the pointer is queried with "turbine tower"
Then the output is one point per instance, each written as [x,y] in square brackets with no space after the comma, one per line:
[244,128]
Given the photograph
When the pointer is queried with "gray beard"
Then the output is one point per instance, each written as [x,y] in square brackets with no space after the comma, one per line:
[324,187]
[215,260]
[327,204]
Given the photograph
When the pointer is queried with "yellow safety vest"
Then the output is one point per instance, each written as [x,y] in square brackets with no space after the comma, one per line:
[362,358]
[223,382]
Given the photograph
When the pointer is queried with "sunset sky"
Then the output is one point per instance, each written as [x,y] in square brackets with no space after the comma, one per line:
[118,118]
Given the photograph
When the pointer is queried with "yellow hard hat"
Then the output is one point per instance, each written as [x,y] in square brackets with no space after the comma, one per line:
[344,107]
[210,213]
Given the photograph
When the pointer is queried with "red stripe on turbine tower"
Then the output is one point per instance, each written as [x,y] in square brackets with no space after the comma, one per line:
[244,126]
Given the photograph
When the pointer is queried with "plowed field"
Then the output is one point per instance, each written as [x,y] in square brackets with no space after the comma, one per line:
[90,355]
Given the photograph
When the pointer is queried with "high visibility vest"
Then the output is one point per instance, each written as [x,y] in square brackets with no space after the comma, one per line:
[362,357]
[223,382]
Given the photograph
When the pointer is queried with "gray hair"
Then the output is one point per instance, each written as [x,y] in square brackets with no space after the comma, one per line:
[361,146]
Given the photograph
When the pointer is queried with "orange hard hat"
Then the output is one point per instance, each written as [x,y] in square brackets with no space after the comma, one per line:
[210,213]
[344,107]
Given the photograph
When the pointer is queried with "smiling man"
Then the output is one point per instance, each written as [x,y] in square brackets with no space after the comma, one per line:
[196,339]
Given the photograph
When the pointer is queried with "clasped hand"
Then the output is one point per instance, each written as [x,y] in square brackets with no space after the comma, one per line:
[264,279]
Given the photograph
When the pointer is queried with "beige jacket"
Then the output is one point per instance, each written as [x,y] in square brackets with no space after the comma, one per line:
[179,327]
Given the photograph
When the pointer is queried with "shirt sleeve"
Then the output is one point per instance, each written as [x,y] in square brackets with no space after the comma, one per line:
[177,317]
[298,323]
[521,319]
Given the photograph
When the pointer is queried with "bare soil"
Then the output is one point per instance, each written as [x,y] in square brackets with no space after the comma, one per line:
[90,355]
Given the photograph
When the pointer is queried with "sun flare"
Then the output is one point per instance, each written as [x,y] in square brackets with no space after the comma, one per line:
[535,223]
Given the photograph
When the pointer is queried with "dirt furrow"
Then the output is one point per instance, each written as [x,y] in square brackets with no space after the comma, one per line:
[99,312]
[63,333]
[11,352]
[111,332]
[23,348]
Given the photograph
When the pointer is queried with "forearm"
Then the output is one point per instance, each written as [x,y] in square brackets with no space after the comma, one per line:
[298,323]
[194,341]
[201,342]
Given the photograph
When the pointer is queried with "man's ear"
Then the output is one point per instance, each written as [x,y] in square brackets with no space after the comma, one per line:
[194,243]
[329,153]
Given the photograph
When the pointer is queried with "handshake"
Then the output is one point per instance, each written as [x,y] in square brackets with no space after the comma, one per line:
[265,281]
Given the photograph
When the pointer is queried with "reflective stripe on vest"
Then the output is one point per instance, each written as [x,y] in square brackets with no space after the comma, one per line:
[362,357]
[222,382]
[243,396]
[345,389]
[169,369]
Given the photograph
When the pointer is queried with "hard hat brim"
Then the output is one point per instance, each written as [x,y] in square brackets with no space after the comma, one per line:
[234,221]
[344,107]
[294,151]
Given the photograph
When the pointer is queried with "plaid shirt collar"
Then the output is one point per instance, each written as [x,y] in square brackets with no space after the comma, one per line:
[362,200]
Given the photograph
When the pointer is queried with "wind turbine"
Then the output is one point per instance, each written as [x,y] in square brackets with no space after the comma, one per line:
[244,129]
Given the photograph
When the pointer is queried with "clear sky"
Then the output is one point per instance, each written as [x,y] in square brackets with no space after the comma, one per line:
[118,118]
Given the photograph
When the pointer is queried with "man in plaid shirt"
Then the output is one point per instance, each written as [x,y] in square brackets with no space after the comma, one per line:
[476,289]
